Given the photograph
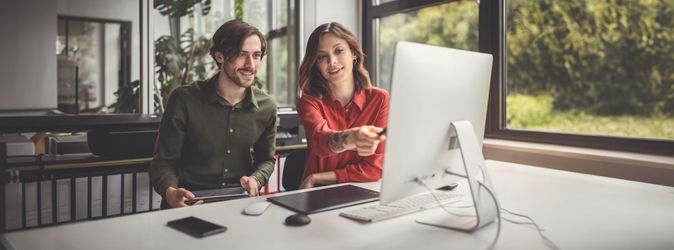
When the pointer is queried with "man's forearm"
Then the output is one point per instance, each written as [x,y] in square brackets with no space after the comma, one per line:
[263,171]
[162,176]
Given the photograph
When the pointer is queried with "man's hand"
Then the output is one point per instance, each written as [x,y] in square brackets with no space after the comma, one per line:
[251,185]
[177,197]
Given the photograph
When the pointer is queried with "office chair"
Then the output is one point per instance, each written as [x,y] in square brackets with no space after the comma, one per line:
[294,169]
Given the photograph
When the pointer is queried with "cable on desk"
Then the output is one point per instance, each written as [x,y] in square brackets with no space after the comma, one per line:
[498,211]
[443,206]
[498,214]
[547,241]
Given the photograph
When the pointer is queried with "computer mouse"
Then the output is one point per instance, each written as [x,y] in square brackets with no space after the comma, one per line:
[256,208]
[297,220]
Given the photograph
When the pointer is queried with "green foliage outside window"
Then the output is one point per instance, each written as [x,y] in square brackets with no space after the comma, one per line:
[583,67]
[603,57]
[450,25]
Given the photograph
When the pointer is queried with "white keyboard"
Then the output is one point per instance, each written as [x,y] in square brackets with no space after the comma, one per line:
[402,207]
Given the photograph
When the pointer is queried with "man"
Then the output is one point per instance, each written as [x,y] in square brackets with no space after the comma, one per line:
[209,127]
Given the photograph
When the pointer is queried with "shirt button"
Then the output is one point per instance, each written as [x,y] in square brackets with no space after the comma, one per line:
[231,130]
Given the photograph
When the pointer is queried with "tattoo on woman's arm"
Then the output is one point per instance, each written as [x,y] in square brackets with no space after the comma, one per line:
[337,141]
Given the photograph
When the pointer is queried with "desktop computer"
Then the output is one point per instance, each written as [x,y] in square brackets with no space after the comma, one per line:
[435,128]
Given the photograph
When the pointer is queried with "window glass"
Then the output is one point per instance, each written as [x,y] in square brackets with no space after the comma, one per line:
[450,25]
[90,65]
[278,65]
[591,67]
[268,16]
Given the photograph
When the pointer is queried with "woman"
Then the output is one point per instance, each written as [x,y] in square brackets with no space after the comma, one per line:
[342,113]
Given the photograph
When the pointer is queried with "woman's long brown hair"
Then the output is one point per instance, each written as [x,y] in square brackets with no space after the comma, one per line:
[310,79]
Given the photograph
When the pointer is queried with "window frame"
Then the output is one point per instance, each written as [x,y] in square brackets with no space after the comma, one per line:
[491,29]
[289,32]
[372,11]
[125,43]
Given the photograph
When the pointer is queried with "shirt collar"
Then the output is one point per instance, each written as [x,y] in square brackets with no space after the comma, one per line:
[357,99]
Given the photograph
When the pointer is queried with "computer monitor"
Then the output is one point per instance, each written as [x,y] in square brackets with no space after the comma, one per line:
[434,91]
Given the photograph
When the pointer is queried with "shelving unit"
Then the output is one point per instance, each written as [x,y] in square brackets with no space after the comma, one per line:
[46,190]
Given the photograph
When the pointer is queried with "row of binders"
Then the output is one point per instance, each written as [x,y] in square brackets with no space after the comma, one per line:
[59,200]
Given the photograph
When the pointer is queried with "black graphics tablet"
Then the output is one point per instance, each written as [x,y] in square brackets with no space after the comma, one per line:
[220,194]
[325,199]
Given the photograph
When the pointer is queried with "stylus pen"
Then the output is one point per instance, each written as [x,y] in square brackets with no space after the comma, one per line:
[382,132]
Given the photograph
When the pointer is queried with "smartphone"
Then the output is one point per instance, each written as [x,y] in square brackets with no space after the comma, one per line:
[196,227]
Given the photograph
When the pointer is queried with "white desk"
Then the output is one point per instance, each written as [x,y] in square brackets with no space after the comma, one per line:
[578,212]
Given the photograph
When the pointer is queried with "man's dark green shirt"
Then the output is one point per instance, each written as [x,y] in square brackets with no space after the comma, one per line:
[205,142]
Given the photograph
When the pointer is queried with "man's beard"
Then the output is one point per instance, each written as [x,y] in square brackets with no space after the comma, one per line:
[236,79]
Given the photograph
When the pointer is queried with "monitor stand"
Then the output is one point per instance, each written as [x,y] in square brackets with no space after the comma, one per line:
[485,206]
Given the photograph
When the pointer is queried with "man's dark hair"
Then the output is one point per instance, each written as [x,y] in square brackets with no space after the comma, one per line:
[229,38]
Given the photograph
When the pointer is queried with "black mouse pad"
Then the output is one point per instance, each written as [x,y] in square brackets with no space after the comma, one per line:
[325,199]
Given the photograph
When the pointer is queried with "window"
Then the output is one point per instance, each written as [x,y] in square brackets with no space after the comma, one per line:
[584,73]
[93,62]
[276,74]
[448,24]
[441,23]
[589,73]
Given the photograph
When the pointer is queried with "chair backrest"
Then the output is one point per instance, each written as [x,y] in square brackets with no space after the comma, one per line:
[293,169]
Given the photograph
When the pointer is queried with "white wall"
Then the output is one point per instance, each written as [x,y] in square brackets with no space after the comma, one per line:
[28,49]
[317,12]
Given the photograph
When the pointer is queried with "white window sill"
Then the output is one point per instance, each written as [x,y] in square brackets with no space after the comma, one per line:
[624,165]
